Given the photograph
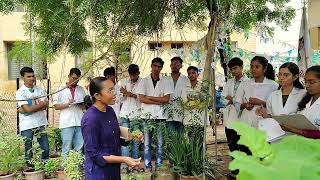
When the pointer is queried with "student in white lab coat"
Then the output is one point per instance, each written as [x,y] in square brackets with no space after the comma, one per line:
[309,106]
[228,94]
[285,100]
[253,94]
[153,91]
[179,83]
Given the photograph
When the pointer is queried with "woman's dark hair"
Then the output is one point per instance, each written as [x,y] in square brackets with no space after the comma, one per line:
[302,104]
[235,62]
[294,69]
[269,73]
[94,88]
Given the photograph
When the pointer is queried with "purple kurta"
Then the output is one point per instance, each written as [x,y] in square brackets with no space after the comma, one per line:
[101,134]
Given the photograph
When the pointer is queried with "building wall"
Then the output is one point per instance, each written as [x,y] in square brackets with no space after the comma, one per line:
[314,23]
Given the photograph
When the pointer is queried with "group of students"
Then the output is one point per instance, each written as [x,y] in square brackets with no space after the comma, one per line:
[93,120]
[255,100]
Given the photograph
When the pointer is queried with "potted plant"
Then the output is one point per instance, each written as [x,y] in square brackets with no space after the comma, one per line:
[55,140]
[50,168]
[186,156]
[36,173]
[11,155]
[60,170]
[73,165]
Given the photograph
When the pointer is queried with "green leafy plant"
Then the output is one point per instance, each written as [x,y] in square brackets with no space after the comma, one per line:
[185,155]
[54,137]
[11,153]
[51,166]
[293,157]
[73,165]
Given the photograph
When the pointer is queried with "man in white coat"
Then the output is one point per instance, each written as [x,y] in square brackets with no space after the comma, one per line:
[179,83]
[228,94]
[69,100]
[153,92]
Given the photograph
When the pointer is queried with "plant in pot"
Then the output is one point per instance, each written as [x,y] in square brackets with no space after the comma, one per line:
[60,169]
[55,140]
[36,173]
[11,155]
[73,165]
[186,156]
[50,168]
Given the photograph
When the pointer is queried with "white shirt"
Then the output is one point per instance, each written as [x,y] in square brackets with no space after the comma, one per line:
[275,104]
[116,106]
[229,112]
[312,112]
[181,86]
[162,88]
[72,115]
[249,89]
[130,105]
[193,116]
[35,119]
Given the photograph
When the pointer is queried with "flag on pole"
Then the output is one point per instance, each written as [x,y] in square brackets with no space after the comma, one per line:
[304,49]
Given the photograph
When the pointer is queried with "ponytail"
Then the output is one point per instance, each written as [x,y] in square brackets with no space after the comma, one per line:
[270,73]
[94,88]
[304,101]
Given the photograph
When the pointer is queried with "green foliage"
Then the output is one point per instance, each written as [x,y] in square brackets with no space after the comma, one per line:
[54,137]
[11,152]
[186,154]
[294,157]
[68,23]
[72,165]
[51,166]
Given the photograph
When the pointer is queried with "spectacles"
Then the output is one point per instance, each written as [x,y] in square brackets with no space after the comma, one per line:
[109,91]
[286,75]
[311,82]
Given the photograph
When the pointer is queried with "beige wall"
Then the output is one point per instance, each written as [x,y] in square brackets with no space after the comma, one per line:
[314,23]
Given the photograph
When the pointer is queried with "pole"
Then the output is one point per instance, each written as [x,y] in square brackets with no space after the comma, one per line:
[33,43]
[17,84]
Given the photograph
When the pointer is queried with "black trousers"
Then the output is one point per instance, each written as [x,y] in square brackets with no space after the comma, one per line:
[232,139]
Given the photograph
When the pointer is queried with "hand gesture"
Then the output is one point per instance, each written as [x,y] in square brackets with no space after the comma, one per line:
[261,111]
[248,106]
[132,162]
[71,101]
[255,101]
[124,91]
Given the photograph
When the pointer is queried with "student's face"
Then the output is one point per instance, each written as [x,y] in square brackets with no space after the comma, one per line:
[236,71]
[156,68]
[134,77]
[29,78]
[74,79]
[175,66]
[107,95]
[257,69]
[312,83]
[285,77]
[192,75]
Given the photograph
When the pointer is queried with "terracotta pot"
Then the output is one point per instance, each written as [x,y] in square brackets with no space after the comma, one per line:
[36,175]
[61,175]
[182,177]
[8,177]
[166,176]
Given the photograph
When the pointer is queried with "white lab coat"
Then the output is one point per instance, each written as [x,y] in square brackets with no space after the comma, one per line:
[312,112]
[251,89]
[275,104]
[229,112]
[181,86]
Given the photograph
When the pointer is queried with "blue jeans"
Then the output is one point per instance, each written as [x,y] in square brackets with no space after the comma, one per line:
[71,136]
[147,144]
[125,122]
[175,126]
[42,140]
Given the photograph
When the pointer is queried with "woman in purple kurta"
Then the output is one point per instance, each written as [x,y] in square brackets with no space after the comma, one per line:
[101,134]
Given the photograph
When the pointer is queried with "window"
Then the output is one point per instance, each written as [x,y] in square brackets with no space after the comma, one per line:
[176,45]
[154,45]
[14,65]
